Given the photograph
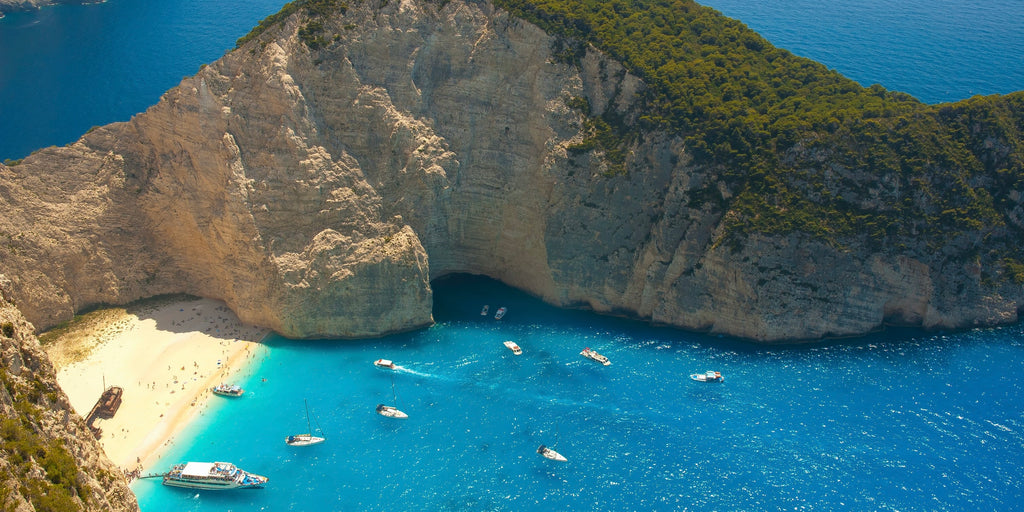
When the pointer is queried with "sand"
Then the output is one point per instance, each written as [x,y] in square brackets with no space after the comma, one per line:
[166,356]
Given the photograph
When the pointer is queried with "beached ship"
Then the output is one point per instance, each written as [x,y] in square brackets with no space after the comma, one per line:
[387,364]
[707,377]
[513,347]
[228,390]
[105,408]
[590,354]
[213,476]
[549,453]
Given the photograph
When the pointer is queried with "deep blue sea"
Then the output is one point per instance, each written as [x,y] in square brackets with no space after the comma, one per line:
[902,420]
[68,68]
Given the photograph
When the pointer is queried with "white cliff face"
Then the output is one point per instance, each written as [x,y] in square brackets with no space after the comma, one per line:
[318,192]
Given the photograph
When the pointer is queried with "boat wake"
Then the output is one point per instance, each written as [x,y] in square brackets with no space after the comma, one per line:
[424,375]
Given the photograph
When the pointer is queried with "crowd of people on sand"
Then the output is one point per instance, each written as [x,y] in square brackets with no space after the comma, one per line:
[131,474]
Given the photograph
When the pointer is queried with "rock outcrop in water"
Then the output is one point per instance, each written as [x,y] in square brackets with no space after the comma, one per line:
[317,180]
[49,459]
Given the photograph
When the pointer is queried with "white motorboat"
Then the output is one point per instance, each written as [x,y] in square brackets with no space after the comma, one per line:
[212,475]
[308,438]
[513,347]
[498,315]
[384,363]
[228,390]
[548,453]
[707,377]
[483,312]
[590,354]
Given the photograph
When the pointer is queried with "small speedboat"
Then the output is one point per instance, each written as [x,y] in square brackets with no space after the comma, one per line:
[391,412]
[513,347]
[483,312]
[548,453]
[590,354]
[384,363]
[707,377]
[228,390]
[500,313]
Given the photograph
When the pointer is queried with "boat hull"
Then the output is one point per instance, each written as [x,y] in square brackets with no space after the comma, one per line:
[550,454]
[391,412]
[303,440]
[209,486]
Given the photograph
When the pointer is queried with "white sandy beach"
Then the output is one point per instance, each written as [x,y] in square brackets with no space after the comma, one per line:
[166,359]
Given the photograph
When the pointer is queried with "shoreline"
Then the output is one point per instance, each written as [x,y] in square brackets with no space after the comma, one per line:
[166,357]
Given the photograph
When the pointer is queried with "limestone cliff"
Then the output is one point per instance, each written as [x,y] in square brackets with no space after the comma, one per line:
[320,176]
[49,459]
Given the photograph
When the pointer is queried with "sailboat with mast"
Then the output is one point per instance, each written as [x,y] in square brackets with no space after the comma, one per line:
[391,411]
[550,453]
[308,438]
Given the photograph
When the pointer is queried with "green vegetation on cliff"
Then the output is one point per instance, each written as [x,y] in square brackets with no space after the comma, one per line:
[311,31]
[24,448]
[800,147]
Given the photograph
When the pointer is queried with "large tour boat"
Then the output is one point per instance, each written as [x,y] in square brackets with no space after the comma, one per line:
[212,475]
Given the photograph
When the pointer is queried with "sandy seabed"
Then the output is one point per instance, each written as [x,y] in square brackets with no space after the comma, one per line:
[166,358]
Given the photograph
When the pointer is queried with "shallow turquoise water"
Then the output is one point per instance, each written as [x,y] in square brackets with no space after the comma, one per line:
[901,420]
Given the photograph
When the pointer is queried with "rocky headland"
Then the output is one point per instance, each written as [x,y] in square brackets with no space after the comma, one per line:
[320,176]
[49,459]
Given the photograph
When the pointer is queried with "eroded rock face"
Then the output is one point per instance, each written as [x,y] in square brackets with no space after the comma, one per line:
[37,417]
[318,192]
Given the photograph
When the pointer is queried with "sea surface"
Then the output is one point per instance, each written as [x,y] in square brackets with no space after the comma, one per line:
[68,68]
[900,420]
